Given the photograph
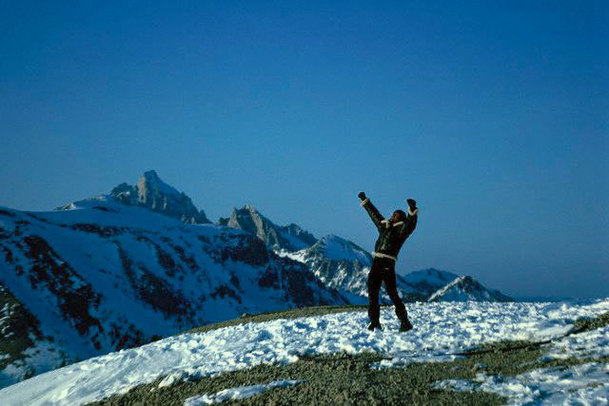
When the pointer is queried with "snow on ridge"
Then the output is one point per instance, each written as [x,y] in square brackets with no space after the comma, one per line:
[338,249]
[442,291]
[282,341]
[466,288]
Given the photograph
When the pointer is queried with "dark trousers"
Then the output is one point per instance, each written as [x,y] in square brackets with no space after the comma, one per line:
[383,269]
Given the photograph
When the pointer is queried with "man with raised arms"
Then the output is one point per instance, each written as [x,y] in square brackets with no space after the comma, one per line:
[393,232]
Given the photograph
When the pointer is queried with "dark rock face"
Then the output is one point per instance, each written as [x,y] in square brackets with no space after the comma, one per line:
[243,248]
[154,290]
[18,329]
[300,286]
[103,231]
[288,238]
[269,279]
[75,298]
[154,194]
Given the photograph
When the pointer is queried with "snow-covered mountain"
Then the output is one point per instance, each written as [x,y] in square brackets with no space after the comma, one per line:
[466,288]
[106,275]
[152,193]
[142,263]
[429,280]
[338,263]
[343,265]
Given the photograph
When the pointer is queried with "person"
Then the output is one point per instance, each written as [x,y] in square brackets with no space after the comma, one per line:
[392,234]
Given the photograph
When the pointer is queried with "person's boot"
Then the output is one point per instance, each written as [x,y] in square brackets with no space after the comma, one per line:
[405,325]
[375,326]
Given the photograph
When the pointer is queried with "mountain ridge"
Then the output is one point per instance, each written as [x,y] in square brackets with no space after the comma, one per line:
[108,276]
[122,269]
[466,288]
[154,194]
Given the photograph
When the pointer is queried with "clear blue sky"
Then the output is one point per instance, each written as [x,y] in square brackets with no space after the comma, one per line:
[493,115]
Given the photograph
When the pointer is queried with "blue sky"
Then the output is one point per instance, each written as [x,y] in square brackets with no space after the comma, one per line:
[493,116]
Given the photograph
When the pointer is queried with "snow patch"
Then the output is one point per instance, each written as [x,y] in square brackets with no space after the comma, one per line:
[237,393]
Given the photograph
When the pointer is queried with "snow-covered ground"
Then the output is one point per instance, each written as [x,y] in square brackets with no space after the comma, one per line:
[586,384]
[441,330]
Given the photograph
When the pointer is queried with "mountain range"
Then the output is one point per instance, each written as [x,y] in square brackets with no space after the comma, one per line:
[142,262]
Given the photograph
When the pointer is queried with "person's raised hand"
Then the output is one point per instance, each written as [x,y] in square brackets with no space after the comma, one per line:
[412,204]
[362,195]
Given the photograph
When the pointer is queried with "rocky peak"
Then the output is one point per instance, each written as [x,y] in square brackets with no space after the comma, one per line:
[248,219]
[150,184]
[154,194]
[288,238]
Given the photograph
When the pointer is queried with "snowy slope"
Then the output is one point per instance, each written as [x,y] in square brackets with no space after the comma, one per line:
[466,288]
[282,341]
[104,276]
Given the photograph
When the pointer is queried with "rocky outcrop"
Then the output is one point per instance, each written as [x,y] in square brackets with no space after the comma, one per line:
[22,341]
[278,238]
[154,194]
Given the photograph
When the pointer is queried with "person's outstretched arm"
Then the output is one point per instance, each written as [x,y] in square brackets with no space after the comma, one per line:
[411,221]
[373,212]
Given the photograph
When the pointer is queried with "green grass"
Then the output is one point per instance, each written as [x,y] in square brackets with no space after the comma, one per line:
[348,379]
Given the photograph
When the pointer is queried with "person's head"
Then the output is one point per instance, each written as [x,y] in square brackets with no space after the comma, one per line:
[398,216]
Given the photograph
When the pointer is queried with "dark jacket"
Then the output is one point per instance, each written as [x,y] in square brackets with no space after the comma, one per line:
[391,236]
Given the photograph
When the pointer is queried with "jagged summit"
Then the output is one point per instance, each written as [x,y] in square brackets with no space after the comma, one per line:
[150,181]
[465,288]
[152,193]
[287,238]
